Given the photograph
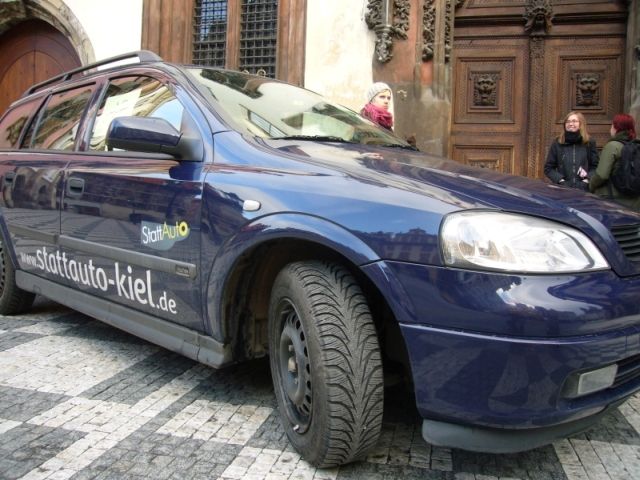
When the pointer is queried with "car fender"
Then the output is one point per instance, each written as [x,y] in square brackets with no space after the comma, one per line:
[289,226]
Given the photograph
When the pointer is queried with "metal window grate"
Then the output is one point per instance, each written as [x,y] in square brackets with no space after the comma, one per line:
[210,33]
[259,27]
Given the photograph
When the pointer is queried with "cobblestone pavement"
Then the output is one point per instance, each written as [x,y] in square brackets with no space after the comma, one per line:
[82,400]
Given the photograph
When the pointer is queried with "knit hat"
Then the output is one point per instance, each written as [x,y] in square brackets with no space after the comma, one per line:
[375,89]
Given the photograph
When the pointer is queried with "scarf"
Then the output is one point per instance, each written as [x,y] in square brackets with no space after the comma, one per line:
[572,137]
[378,115]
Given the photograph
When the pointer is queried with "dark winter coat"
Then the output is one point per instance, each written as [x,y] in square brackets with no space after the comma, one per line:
[565,159]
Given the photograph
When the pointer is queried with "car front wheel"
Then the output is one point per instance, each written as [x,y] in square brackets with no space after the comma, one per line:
[325,362]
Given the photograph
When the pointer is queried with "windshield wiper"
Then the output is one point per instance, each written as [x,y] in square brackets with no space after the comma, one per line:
[398,145]
[314,138]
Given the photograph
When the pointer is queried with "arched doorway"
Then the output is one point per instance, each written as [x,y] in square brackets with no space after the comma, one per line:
[31,52]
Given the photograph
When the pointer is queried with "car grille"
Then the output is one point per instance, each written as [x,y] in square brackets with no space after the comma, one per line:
[628,237]
[628,369]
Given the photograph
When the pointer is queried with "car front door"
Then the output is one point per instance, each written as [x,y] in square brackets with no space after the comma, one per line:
[130,221]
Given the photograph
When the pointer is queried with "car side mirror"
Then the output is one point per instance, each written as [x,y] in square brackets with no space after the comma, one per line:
[153,135]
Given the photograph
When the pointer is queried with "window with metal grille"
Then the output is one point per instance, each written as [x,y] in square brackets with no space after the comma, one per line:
[210,36]
[252,47]
[258,34]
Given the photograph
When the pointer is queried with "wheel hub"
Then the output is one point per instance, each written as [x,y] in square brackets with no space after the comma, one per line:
[295,371]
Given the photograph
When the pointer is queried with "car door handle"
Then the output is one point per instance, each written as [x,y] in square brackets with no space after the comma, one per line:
[9,177]
[75,187]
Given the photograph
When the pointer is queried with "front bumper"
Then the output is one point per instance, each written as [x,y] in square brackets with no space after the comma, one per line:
[515,383]
[492,354]
[495,440]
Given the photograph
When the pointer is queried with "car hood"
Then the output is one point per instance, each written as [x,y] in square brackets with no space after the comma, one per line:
[466,186]
[449,186]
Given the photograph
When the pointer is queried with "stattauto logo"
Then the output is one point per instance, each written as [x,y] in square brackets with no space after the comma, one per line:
[163,236]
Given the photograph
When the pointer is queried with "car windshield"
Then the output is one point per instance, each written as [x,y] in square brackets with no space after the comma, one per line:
[272,109]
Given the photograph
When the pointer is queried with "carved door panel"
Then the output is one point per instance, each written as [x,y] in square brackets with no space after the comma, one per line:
[511,93]
[585,76]
[490,104]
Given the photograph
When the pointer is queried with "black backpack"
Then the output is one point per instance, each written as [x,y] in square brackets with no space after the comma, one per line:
[626,172]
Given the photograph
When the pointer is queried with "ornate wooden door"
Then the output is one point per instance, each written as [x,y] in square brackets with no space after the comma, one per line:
[519,69]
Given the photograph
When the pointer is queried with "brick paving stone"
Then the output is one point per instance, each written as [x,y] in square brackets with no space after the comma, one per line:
[12,339]
[8,324]
[136,382]
[81,400]
[21,404]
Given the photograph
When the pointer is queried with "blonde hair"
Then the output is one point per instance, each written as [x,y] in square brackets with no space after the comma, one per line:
[583,127]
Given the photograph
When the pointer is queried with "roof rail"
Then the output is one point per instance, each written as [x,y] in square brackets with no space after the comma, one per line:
[142,55]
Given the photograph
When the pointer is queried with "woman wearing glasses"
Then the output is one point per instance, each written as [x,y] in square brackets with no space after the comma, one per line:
[572,157]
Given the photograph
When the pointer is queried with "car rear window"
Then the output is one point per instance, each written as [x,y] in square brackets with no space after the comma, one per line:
[13,123]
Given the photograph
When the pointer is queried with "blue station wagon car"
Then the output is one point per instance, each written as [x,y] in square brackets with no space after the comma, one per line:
[228,217]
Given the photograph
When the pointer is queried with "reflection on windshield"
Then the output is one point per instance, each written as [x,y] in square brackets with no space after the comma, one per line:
[271,109]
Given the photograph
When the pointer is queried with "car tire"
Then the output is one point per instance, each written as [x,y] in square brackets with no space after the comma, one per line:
[13,299]
[325,363]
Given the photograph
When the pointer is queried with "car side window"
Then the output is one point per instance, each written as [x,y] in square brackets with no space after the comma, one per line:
[58,125]
[135,96]
[13,123]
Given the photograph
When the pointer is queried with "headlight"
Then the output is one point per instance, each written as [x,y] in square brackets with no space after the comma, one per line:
[516,243]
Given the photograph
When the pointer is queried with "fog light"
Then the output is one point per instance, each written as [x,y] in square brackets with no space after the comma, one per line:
[579,384]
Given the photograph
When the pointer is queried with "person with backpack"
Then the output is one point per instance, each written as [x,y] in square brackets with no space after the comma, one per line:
[617,177]
[573,156]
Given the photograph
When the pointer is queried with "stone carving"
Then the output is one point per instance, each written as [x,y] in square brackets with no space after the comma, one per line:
[389,19]
[490,164]
[536,48]
[402,11]
[587,89]
[429,27]
[538,16]
[485,89]
[11,12]
[447,31]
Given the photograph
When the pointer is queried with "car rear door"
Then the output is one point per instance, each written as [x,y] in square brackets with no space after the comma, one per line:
[32,177]
[130,221]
